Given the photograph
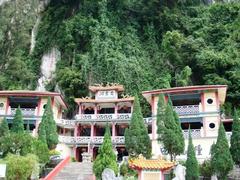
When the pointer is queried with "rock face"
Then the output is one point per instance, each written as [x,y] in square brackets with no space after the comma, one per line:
[48,67]
[3,1]
[108,174]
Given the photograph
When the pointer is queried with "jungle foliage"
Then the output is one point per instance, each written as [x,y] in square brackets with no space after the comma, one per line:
[141,44]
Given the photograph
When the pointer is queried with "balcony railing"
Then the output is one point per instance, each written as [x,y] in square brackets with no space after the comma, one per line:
[25,111]
[185,110]
[103,117]
[88,139]
[196,133]
[66,122]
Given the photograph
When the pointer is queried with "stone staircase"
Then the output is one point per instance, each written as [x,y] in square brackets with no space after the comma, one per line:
[76,171]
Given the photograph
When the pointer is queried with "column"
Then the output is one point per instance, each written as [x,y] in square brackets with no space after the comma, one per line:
[116,109]
[39,106]
[79,108]
[76,130]
[92,130]
[95,110]
[7,106]
[113,129]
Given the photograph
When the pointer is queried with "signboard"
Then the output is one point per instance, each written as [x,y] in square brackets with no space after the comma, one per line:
[106,94]
[3,170]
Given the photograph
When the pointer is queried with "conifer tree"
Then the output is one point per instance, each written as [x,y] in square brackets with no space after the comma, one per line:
[4,127]
[169,129]
[235,139]
[106,157]
[221,159]
[17,125]
[192,171]
[42,133]
[161,114]
[49,125]
[137,140]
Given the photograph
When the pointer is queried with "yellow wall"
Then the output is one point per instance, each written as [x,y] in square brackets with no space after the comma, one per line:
[55,108]
[150,175]
[210,107]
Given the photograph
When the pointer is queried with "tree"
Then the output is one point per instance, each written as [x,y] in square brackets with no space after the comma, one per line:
[42,133]
[106,157]
[4,127]
[235,143]
[20,167]
[49,126]
[16,143]
[169,129]
[221,158]
[137,140]
[40,149]
[17,125]
[183,79]
[192,171]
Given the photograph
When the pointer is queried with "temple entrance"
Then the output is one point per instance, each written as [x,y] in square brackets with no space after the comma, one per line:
[81,150]
[95,152]
[121,153]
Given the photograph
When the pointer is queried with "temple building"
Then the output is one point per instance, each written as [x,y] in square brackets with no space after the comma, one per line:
[105,105]
[32,104]
[197,107]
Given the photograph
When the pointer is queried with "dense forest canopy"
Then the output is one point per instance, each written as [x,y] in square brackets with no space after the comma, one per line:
[144,45]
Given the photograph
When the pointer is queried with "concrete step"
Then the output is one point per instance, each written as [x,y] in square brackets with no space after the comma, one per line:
[75,171]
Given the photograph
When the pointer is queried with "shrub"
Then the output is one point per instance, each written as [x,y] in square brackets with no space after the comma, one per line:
[20,167]
[206,169]
[124,169]
[54,152]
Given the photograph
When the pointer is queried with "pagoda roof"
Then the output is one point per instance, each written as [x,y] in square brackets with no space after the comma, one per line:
[116,87]
[150,164]
[221,89]
[28,93]
[88,100]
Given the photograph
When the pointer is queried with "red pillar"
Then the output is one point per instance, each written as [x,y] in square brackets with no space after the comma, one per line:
[80,108]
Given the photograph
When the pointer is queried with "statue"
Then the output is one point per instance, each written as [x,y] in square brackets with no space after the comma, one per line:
[214,177]
[180,172]
[108,174]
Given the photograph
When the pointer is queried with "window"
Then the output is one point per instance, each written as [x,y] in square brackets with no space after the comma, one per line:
[44,106]
[212,125]
[1,105]
[209,101]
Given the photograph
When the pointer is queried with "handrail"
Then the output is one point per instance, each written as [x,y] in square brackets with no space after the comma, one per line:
[57,169]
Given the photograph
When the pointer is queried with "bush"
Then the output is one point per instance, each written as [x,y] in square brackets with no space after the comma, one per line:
[16,144]
[40,149]
[54,152]
[20,167]
[73,159]
[206,169]
[124,169]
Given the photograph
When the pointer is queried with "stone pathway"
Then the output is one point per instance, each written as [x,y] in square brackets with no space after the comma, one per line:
[76,171]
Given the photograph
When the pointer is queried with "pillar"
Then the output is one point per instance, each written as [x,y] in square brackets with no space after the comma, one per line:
[7,106]
[116,109]
[95,109]
[76,130]
[92,130]
[113,129]
[39,106]
[79,108]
